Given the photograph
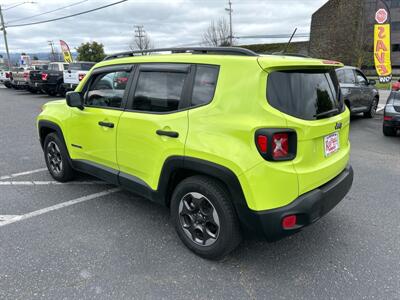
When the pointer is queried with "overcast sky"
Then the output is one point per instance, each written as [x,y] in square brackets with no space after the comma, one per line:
[168,22]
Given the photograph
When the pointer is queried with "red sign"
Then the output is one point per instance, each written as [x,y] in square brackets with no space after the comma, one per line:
[381,16]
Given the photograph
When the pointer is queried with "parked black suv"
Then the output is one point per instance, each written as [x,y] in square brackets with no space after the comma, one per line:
[359,94]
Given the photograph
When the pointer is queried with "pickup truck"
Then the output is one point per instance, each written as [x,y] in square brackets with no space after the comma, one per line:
[21,77]
[50,81]
[5,77]
[75,73]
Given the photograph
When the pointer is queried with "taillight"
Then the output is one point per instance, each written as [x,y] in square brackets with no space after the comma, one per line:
[44,76]
[262,142]
[387,118]
[26,75]
[81,76]
[280,145]
[276,144]
[8,75]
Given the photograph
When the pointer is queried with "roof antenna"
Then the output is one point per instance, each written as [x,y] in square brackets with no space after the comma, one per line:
[290,40]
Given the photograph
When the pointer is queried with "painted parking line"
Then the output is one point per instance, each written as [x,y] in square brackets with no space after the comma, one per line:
[42,211]
[52,183]
[380,107]
[22,173]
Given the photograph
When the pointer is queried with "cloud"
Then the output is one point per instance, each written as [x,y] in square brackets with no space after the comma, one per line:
[169,22]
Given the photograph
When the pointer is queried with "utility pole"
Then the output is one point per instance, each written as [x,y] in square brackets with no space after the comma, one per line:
[140,34]
[53,54]
[229,10]
[5,37]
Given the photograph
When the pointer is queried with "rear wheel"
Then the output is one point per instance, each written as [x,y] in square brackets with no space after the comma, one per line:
[372,110]
[204,217]
[56,157]
[389,131]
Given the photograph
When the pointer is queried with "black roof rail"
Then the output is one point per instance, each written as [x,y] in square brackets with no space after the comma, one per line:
[193,50]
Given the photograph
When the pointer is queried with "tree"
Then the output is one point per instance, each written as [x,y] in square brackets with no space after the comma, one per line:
[217,33]
[91,52]
[141,40]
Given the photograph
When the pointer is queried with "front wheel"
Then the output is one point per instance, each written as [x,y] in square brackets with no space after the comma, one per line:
[204,217]
[56,157]
[372,110]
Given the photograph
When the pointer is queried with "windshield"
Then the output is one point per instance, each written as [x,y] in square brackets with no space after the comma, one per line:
[304,94]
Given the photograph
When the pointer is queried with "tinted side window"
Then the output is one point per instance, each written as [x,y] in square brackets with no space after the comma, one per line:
[107,90]
[340,76]
[158,91]
[349,76]
[361,79]
[204,84]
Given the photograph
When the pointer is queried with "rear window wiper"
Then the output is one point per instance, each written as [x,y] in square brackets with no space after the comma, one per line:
[325,113]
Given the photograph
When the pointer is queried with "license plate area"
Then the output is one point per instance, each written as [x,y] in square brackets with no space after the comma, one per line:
[331,144]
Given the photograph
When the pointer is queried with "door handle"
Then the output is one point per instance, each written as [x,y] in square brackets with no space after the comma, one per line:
[172,134]
[106,124]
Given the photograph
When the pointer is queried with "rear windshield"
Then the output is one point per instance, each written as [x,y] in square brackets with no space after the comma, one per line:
[80,66]
[304,94]
[394,98]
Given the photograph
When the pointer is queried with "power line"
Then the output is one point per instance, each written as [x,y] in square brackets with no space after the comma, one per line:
[69,16]
[47,12]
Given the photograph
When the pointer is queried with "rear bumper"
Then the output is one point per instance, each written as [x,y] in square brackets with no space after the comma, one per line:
[69,86]
[308,208]
[43,86]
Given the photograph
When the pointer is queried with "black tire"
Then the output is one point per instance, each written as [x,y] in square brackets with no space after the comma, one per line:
[389,131]
[227,235]
[372,110]
[55,151]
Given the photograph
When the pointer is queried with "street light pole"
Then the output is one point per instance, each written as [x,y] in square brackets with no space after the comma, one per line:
[230,22]
[5,38]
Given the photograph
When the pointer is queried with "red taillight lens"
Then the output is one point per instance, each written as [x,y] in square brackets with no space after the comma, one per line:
[26,74]
[262,142]
[81,76]
[387,118]
[280,145]
[8,75]
[289,222]
[44,76]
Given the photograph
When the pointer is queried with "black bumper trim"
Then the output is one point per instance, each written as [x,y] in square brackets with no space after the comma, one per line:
[309,208]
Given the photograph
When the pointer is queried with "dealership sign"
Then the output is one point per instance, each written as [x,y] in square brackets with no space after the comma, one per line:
[66,53]
[382,46]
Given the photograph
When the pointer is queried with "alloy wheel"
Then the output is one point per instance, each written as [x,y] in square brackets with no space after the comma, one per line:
[199,219]
[54,158]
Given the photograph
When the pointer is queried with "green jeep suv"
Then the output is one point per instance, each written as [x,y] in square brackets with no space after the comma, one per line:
[231,141]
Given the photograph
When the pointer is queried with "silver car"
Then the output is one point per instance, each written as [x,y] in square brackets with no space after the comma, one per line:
[391,116]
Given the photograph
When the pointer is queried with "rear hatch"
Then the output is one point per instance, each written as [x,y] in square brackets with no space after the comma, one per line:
[306,92]
[76,72]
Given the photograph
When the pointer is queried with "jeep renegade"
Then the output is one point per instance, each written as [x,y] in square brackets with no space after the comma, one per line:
[231,141]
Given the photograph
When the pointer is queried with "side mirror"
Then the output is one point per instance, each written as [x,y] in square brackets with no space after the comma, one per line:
[372,82]
[74,99]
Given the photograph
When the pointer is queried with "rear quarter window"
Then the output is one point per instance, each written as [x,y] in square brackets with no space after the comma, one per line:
[304,94]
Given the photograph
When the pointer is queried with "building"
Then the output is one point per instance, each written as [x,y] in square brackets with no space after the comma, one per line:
[343,30]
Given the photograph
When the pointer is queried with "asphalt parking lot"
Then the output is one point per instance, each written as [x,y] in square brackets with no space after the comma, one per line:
[108,243]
